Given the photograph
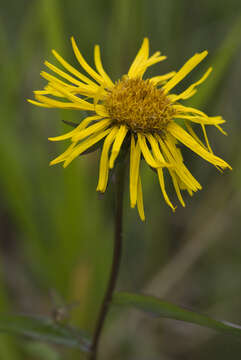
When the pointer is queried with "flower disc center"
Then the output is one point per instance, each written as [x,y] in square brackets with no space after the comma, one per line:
[140,105]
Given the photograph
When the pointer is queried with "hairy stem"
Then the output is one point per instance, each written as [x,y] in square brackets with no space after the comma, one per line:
[117,249]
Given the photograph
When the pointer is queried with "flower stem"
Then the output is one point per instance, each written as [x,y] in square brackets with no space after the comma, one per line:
[117,249]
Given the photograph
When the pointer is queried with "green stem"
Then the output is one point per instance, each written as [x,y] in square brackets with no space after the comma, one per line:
[117,249]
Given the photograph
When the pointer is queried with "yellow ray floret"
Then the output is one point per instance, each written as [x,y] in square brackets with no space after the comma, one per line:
[140,205]
[104,160]
[140,58]
[135,156]
[117,144]
[187,140]
[186,69]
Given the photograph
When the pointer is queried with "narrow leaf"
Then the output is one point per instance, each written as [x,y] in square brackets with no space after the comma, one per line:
[44,329]
[160,308]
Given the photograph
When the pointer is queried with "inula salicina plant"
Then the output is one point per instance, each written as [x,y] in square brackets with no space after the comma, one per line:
[132,119]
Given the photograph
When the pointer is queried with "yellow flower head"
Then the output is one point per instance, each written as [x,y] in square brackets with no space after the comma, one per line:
[139,113]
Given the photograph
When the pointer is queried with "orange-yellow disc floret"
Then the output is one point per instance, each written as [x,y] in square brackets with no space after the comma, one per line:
[140,105]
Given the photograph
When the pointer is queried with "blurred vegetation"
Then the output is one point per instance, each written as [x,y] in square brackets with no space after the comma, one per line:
[56,231]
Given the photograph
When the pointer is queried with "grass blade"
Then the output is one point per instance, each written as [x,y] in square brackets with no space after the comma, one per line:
[44,329]
[160,308]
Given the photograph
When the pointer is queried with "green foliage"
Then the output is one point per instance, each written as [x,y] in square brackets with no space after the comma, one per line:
[165,309]
[44,329]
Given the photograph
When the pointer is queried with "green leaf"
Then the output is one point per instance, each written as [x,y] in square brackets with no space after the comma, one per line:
[44,329]
[160,308]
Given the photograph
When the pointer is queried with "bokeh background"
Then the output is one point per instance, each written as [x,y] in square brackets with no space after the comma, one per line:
[56,231]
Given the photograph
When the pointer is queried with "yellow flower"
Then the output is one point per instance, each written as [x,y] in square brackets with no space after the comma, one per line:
[132,113]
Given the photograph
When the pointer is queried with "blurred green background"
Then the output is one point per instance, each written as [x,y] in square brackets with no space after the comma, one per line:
[56,231]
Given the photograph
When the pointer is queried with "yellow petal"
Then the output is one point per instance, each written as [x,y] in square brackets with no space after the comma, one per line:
[49,90]
[84,123]
[174,157]
[181,170]
[146,152]
[63,74]
[162,185]
[75,99]
[176,186]
[84,64]
[135,156]
[192,133]
[99,95]
[79,88]
[85,145]
[221,130]
[186,69]
[156,150]
[191,89]
[80,127]
[99,126]
[140,205]
[188,110]
[181,135]
[104,160]
[160,79]
[60,104]
[40,104]
[99,67]
[151,61]
[141,56]
[101,110]
[117,144]
[206,138]
[63,156]
[52,78]
[199,119]
[71,69]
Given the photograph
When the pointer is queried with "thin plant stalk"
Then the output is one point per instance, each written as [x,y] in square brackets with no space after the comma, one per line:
[117,250]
